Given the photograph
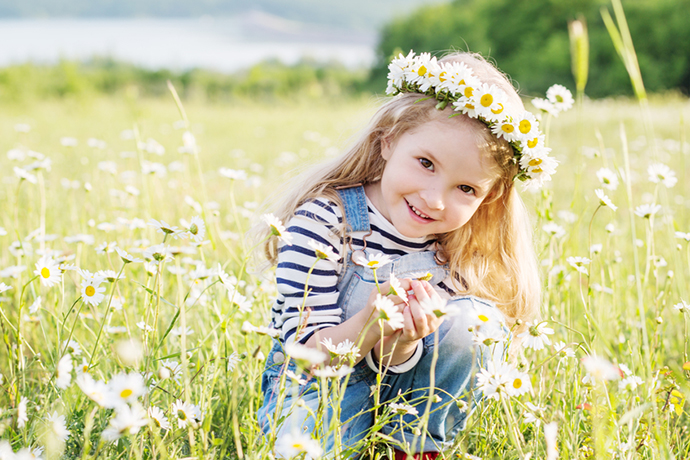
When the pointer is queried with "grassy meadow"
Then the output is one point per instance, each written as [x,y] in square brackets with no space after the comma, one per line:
[169,335]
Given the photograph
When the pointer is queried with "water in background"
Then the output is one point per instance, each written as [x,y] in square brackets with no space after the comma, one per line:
[223,44]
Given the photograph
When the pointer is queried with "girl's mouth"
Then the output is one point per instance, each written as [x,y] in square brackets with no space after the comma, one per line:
[418,213]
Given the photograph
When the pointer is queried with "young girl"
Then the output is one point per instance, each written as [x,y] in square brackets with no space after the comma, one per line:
[430,187]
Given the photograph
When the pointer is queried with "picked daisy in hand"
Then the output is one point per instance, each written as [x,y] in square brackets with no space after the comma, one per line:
[48,271]
[396,288]
[322,251]
[435,306]
[388,312]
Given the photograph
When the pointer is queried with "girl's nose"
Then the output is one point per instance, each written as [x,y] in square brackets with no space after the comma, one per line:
[433,199]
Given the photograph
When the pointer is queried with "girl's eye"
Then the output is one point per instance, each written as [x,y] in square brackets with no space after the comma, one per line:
[466,189]
[426,164]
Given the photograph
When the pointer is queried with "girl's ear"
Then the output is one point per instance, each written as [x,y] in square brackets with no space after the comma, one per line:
[386,147]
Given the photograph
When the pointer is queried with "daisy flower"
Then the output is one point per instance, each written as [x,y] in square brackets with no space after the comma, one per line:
[494,379]
[4,287]
[63,376]
[187,414]
[403,409]
[58,425]
[681,307]
[604,200]
[528,126]
[545,106]
[646,211]
[560,97]
[490,101]
[563,350]
[553,229]
[110,275]
[683,236]
[277,228]
[507,129]
[578,263]
[92,292]
[305,356]
[435,306]
[343,348]
[248,327]
[158,418]
[396,288]
[630,383]
[22,417]
[608,178]
[322,251]
[660,173]
[127,420]
[296,378]
[296,443]
[233,174]
[126,257]
[536,336]
[372,261]
[388,312]
[197,229]
[158,253]
[332,372]
[518,384]
[233,360]
[127,387]
[600,368]
[48,271]
[534,413]
[162,227]
[23,174]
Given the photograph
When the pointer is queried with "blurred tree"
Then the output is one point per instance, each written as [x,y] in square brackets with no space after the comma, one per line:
[528,39]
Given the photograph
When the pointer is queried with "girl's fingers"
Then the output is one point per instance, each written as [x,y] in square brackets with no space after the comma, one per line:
[408,323]
[420,319]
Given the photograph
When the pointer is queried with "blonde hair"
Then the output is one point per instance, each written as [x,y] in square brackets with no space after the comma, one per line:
[491,256]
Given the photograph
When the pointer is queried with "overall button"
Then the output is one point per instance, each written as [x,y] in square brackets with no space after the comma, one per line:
[278,357]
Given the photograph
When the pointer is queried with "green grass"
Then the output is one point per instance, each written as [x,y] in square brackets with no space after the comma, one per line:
[633,324]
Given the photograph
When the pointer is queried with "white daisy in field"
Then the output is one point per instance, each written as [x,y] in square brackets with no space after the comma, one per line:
[683,236]
[322,251]
[233,360]
[600,368]
[660,173]
[342,349]
[630,383]
[25,175]
[248,327]
[4,287]
[563,350]
[646,211]
[95,390]
[596,248]
[110,275]
[127,420]
[277,228]
[233,174]
[545,106]
[127,387]
[553,229]
[560,97]
[22,416]
[608,178]
[158,253]
[604,200]
[63,375]
[494,380]
[681,307]
[372,261]
[536,336]
[163,227]
[403,409]
[158,418]
[187,414]
[578,263]
[296,443]
[332,372]
[144,327]
[243,303]
[534,413]
[177,331]
[518,384]
[298,379]
[48,271]
[35,306]
[126,257]
[388,312]
[305,356]
[58,425]
[396,288]
[481,338]
[170,368]
[197,229]
[91,291]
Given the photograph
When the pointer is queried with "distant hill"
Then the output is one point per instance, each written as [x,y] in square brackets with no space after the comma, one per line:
[352,14]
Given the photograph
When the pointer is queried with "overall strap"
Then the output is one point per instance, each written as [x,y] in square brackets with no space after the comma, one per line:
[356,209]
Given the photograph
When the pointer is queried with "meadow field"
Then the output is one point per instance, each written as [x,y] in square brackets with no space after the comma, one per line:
[156,352]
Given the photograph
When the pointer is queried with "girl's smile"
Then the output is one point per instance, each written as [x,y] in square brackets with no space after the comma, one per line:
[434,180]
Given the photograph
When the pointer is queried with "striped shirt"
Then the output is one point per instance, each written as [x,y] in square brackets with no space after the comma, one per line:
[321,220]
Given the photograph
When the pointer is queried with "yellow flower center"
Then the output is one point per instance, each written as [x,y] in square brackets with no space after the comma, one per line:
[373,263]
[525,126]
[90,291]
[517,383]
[469,106]
[45,272]
[499,110]
[461,82]
[484,318]
[533,143]
[468,91]
[421,71]
[181,415]
[537,170]
[193,229]
[487,100]
[442,76]
[559,98]
[126,393]
[508,128]
[535,162]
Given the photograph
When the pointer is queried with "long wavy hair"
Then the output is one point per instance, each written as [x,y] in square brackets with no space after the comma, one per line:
[492,255]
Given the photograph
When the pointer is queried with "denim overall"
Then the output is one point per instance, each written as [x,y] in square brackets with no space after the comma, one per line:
[458,361]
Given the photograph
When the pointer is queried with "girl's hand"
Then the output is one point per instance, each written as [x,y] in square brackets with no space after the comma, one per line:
[418,324]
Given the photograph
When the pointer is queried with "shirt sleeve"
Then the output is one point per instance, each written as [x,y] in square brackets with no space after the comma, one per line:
[398,368]
[307,286]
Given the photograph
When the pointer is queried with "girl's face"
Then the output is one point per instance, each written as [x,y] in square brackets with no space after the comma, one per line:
[434,180]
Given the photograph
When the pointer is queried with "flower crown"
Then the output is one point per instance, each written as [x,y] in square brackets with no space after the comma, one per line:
[454,82]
